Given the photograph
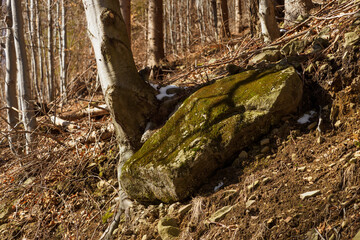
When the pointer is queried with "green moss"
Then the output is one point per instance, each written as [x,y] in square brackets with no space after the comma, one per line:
[214,121]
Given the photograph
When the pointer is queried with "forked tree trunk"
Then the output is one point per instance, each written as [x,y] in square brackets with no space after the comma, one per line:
[125,7]
[131,101]
[269,27]
[296,8]
[28,115]
[10,79]
[156,32]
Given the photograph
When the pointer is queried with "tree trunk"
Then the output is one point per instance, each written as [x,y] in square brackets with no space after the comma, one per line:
[254,18]
[10,79]
[50,70]
[155,35]
[224,19]
[214,12]
[131,101]
[296,8]
[269,27]
[26,100]
[39,51]
[125,7]
[31,27]
[63,53]
[238,16]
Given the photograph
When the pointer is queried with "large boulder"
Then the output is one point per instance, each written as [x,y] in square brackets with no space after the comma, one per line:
[211,126]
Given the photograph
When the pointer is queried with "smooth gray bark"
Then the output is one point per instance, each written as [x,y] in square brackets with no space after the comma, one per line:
[50,56]
[63,53]
[10,79]
[130,99]
[269,27]
[28,115]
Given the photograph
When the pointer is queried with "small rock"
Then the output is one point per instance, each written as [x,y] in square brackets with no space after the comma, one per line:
[184,209]
[233,69]
[307,195]
[288,219]
[220,214]
[253,186]
[351,38]
[243,155]
[312,235]
[266,180]
[249,203]
[293,156]
[168,228]
[301,169]
[312,126]
[337,124]
[29,181]
[265,149]
[356,206]
[265,141]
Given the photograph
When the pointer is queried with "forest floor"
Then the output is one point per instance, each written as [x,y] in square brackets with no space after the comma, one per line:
[67,189]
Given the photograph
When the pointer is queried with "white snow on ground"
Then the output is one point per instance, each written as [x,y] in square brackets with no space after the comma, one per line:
[163,93]
[306,117]
[216,188]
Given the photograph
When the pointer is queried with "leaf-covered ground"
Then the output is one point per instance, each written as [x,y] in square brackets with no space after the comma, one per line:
[66,188]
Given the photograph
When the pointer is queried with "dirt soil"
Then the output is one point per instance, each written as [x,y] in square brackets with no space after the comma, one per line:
[67,189]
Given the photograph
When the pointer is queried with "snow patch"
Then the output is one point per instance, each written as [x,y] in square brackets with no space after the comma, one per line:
[163,93]
[306,117]
[217,187]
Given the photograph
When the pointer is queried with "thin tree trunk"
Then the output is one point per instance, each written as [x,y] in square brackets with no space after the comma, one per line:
[254,18]
[28,115]
[215,17]
[10,79]
[156,33]
[225,30]
[269,27]
[238,16]
[63,53]
[188,24]
[39,51]
[125,7]
[50,56]
[31,27]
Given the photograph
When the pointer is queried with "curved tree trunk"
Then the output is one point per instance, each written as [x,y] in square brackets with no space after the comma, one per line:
[269,27]
[130,99]
[28,115]
[10,79]
[156,32]
[296,8]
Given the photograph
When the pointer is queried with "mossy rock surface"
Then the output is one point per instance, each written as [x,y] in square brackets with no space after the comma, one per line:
[211,126]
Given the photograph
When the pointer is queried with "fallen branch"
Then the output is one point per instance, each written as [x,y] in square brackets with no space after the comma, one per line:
[96,110]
